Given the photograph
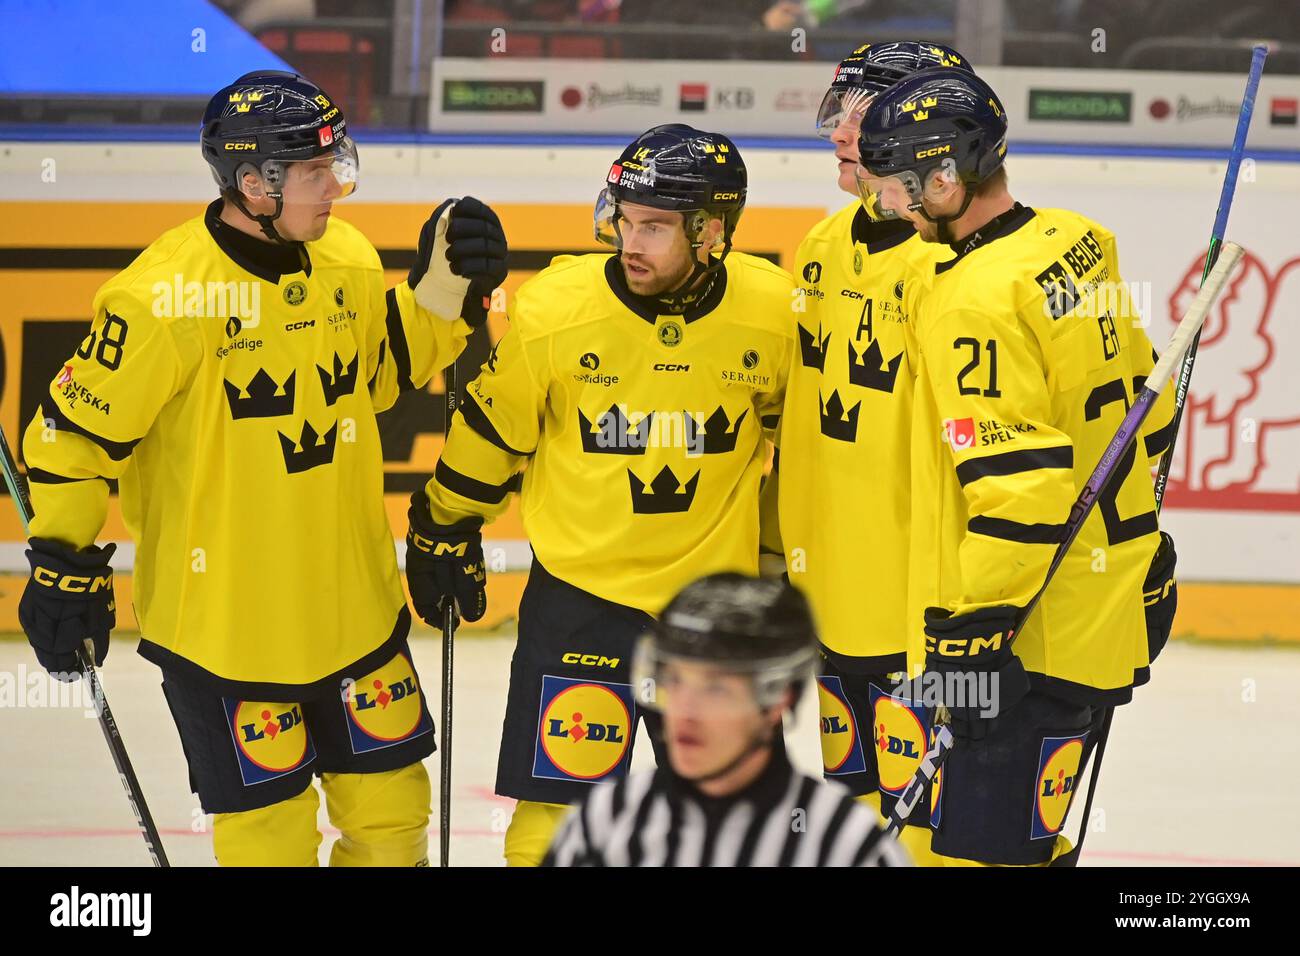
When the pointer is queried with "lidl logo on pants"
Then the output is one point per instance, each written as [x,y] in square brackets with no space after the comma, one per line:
[899,732]
[584,729]
[1058,774]
[385,707]
[270,739]
[841,745]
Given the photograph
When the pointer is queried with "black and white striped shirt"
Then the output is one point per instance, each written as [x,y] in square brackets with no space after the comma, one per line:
[784,818]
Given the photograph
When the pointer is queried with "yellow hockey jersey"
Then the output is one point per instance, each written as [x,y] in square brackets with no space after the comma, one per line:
[1030,352]
[236,405]
[643,433]
[842,473]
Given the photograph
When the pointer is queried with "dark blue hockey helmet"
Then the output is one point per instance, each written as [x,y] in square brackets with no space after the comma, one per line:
[680,168]
[265,121]
[873,68]
[935,119]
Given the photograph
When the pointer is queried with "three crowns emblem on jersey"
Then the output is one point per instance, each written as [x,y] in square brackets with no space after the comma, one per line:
[835,423]
[343,381]
[812,351]
[870,371]
[262,400]
[311,453]
[663,496]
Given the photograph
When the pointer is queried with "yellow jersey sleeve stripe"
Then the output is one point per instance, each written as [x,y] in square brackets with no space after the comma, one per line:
[1016,531]
[1015,462]
[471,488]
[477,419]
[116,450]
[397,337]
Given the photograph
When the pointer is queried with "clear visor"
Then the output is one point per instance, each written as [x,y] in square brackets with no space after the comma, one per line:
[842,108]
[661,681]
[645,230]
[323,179]
[886,197]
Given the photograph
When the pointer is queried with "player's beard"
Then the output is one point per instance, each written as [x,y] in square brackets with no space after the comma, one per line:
[653,281]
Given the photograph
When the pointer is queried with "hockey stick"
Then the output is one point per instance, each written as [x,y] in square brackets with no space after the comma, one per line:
[1212,255]
[86,656]
[1226,194]
[1083,505]
[449,622]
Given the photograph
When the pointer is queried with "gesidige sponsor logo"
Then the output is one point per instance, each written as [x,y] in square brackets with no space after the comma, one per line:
[128,910]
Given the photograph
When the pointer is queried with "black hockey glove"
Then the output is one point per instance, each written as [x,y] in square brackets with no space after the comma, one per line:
[1160,595]
[981,678]
[460,260]
[68,598]
[444,562]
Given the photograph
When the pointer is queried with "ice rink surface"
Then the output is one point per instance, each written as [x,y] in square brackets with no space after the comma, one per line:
[1201,769]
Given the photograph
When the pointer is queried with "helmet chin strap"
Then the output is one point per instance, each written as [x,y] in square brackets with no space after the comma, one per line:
[945,222]
[267,223]
[680,298]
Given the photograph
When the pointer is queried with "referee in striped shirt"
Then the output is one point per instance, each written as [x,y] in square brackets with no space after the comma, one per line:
[729,656]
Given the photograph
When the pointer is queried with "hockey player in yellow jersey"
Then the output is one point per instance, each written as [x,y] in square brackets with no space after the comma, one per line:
[636,387]
[229,383]
[841,471]
[1029,352]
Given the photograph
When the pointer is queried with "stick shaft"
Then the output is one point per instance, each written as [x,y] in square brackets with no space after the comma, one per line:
[448,663]
[1226,195]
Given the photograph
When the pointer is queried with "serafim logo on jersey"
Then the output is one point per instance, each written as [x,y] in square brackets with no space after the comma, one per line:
[841,743]
[385,707]
[271,740]
[959,432]
[584,730]
[898,734]
[1058,774]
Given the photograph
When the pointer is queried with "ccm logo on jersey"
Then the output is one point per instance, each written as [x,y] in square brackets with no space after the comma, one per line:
[933,151]
[590,660]
[669,367]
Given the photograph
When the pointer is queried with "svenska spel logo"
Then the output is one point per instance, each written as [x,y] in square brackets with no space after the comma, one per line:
[271,739]
[959,432]
[899,736]
[584,730]
[385,707]
[841,744]
[1058,775]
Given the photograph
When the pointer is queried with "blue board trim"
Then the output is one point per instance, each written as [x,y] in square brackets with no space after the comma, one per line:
[44,133]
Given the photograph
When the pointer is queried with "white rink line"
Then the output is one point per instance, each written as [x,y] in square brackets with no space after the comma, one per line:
[1201,769]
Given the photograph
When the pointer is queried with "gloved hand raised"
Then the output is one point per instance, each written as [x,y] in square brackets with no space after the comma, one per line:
[460,260]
